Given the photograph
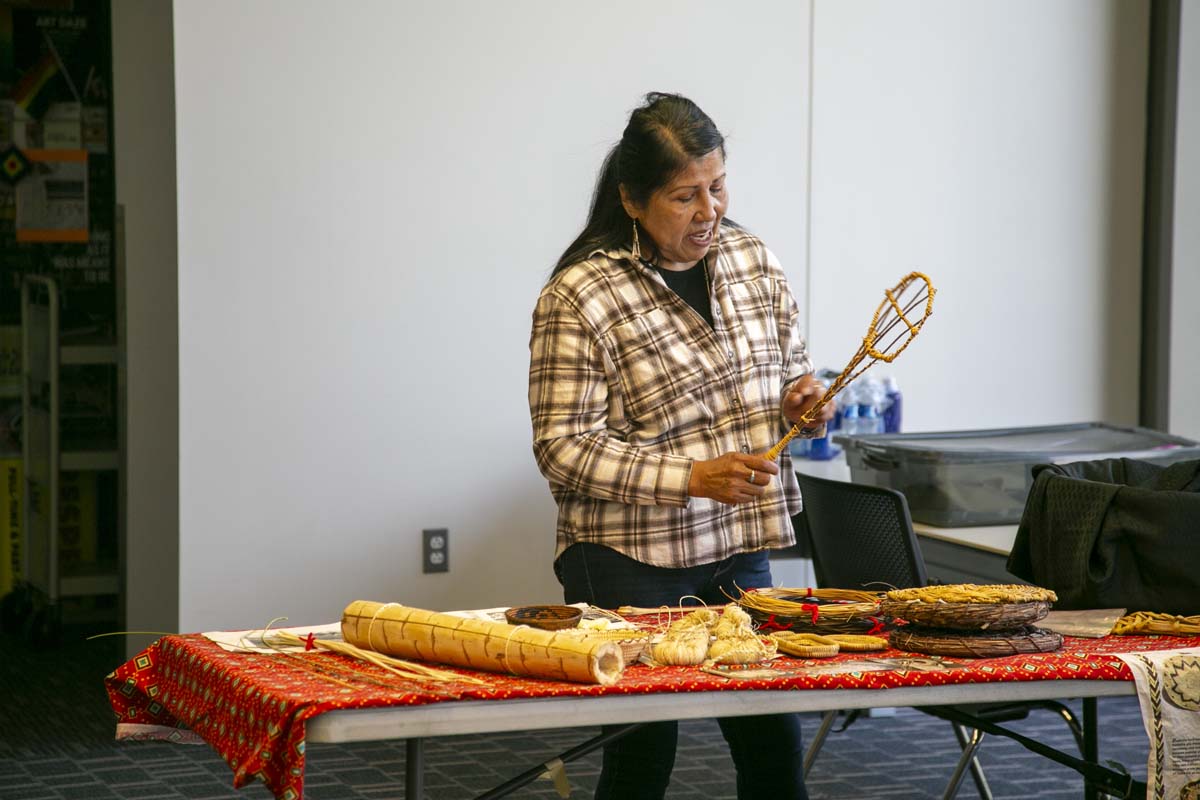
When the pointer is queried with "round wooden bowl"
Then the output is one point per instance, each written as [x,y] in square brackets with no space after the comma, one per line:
[548,618]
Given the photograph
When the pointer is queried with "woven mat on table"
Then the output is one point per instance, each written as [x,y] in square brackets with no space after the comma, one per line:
[1168,687]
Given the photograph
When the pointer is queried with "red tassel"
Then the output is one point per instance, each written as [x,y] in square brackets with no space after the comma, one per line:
[772,625]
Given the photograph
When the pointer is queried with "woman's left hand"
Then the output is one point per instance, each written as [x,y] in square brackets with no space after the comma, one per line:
[803,395]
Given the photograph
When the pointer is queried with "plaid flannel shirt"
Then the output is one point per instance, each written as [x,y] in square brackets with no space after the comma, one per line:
[628,385]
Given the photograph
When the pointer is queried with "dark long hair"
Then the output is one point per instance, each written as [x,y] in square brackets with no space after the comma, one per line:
[664,134]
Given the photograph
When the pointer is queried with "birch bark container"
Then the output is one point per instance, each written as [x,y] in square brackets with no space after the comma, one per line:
[414,633]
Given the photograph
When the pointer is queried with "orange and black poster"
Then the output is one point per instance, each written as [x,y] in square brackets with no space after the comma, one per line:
[57,193]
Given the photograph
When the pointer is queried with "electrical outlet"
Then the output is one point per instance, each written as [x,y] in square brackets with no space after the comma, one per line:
[435,550]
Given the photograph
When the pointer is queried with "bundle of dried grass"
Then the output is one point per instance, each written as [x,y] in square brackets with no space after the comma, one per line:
[685,643]
[737,643]
[740,650]
[415,633]
[404,669]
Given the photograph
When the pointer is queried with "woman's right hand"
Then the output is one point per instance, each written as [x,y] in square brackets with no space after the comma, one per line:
[732,478]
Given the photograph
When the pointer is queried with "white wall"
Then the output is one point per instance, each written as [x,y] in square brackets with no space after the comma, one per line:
[1183,413]
[997,147]
[370,197]
[144,128]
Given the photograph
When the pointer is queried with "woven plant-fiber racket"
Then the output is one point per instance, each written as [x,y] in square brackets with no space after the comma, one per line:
[897,321]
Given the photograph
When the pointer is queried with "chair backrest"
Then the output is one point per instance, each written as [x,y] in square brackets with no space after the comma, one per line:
[860,535]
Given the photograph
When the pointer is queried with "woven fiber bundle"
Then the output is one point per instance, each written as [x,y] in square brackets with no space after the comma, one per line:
[414,633]
[814,610]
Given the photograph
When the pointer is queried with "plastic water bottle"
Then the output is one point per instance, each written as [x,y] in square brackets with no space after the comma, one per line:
[869,420]
[823,448]
[893,405]
[799,447]
[871,397]
[850,411]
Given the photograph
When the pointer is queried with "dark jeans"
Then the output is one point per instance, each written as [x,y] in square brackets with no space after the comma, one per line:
[766,749]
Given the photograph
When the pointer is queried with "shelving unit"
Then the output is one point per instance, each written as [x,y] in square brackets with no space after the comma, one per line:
[61,324]
[49,457]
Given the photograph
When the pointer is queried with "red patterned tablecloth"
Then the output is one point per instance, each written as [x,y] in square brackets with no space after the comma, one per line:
[251,708]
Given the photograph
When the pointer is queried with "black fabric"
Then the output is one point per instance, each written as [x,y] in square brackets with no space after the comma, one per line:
[692,287]
[1113,533]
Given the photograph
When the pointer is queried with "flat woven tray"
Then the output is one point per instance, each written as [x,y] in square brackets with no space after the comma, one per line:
[975,645]
[966,616]
[805,645]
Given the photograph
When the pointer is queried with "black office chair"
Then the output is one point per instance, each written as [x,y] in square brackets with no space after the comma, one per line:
[861,537]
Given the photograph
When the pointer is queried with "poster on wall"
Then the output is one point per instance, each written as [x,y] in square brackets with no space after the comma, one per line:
[51,202]
[57,191]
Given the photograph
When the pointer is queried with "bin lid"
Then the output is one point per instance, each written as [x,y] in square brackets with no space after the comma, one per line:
[1049,443]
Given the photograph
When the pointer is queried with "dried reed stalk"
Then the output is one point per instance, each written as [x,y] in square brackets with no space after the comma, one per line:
[403,669]
[479,644]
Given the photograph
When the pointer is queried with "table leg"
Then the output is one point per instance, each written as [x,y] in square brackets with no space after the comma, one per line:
[1091,745]
[414,770]
[529,776]
[814,747]
[969,742]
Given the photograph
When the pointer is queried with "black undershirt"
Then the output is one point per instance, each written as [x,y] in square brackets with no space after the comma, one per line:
[692,287]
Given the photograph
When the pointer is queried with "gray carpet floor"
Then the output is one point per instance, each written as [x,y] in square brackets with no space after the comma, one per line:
[56,743]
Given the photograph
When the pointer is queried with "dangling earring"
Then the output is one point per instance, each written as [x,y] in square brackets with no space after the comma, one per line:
[637,246]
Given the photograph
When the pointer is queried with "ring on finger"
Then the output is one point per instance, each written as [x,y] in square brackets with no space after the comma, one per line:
[751,478]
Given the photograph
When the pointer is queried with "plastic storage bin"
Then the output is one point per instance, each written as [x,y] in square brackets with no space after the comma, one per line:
[982,477]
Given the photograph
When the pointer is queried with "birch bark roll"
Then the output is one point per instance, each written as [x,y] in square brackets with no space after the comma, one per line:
[414,633]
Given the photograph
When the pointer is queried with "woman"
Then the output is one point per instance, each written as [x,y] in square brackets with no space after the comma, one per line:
[665,357]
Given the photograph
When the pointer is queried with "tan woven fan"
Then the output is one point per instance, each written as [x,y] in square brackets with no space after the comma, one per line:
[897,321]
